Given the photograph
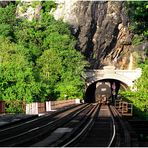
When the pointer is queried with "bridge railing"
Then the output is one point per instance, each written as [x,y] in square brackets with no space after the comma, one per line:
[125,108]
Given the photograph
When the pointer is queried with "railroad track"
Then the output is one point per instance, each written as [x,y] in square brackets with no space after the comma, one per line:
[122,136]
[101,132]
[86,125]
[30,124]
[107,130]
[11,135]
[38,129]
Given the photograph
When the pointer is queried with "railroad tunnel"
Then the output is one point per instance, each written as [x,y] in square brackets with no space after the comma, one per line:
[104,87]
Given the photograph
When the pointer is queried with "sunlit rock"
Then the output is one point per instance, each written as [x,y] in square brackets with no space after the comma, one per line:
[101,28]
[28,9]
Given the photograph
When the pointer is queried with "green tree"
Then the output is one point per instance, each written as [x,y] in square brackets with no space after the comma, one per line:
[47,6]
[40,61]
[71,84]
[138,12]
[49,68]
[7,20]
[56,45]
[16,79]
[139,98]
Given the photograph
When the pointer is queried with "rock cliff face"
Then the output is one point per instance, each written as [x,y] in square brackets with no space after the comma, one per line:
[102,30]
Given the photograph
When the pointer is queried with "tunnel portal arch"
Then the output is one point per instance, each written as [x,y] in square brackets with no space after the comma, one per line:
[124,79]
[91,89]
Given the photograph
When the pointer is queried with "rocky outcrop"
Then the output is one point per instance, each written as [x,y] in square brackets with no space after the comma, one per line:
[102,30]
[29,10]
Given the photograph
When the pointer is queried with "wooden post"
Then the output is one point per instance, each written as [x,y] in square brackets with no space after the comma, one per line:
[2,106]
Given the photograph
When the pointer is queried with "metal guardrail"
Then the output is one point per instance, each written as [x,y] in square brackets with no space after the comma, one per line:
[125,108]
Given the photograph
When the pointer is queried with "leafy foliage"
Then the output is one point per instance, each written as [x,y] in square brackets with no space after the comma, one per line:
[16,79]
[47,6]
[138,12]
[38,60]
[140,97]
[7,20]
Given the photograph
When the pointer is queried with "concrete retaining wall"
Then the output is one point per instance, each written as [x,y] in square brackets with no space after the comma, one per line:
[37,108]
[32,108]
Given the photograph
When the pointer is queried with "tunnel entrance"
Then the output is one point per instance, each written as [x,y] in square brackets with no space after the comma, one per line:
[103,90]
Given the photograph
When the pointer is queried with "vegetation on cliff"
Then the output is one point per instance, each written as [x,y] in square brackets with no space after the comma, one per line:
[38,60]
[138,14]
[139,98]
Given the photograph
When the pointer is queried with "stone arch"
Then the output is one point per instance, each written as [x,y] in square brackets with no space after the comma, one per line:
[125,78]
[118,77]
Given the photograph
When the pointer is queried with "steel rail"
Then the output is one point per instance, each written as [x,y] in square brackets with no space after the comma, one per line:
[80,116]
[125,139]
[90,122]
[114,131]
[27,123]
[35,131]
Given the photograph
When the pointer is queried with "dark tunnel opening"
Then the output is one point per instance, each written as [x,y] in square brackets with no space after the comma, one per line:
[106,89]
[90,94]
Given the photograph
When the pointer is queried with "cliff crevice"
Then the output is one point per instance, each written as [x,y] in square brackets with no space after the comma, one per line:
[102,31]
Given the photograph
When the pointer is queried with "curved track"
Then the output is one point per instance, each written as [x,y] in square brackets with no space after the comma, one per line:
[25,133]
[86,125]
[101,132]
[40,129]
[108,129]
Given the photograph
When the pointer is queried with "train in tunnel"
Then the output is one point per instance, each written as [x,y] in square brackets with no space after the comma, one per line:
[102,91]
